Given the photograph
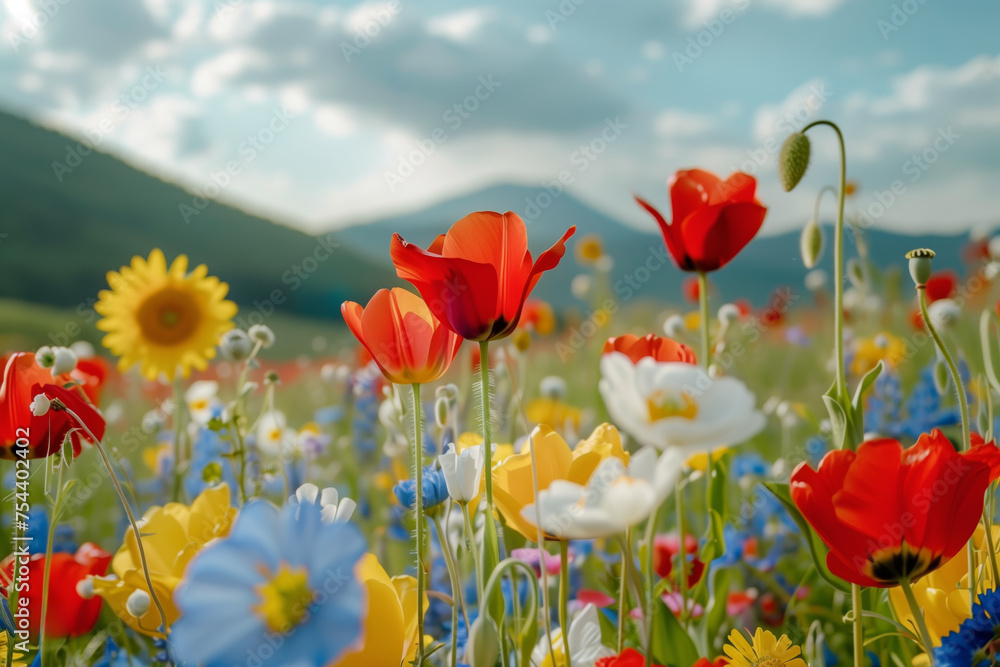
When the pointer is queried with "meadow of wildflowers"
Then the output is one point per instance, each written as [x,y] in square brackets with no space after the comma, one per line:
[804,483]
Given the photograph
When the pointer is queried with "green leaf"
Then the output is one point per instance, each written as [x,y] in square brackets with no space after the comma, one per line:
[215,424]
[716,615]
[715,540]
[866,382]
[838,417]
[491,557]
[671,644]
[817,550]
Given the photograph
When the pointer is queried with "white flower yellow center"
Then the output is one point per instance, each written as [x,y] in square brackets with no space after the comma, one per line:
[663,404]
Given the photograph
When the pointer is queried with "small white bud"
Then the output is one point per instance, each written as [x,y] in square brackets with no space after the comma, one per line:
[85,588]
[236,345]
[816,280]
[554,387]
[261,334]
[40,405]
[674,326]
[82,349]
[137,603]
[63,360]
[580,285]
[729,314]
[44,357]
[944,313]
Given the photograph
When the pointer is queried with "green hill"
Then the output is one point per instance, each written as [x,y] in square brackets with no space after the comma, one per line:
[60,231]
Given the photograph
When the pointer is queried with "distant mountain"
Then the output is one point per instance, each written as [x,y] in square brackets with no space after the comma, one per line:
[769,262]
[65,219]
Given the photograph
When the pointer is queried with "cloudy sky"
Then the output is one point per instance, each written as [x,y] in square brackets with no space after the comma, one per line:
[332,113]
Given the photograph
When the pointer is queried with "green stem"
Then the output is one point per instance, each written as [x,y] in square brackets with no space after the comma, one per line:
[179,404]
[128,512]
[918,616]
[706,344]
[456,589]
[53,520]
[470,542]
[564,599]
[838,270]
[859,632]
[628,574]
[682,554]
[491,543]
[650,584]
[987,524]
[418,508]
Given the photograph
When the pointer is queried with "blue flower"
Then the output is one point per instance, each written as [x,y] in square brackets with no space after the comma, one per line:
[210,449]
[434,488]
[64,538]
[279,589]
[965,648]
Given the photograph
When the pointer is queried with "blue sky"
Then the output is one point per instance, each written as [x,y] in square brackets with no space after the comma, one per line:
[322,114]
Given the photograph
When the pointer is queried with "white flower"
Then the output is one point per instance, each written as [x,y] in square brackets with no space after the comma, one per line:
[40,405]
[585,644]
[273,435]
[944,313]
[235,345]
[262,335]
[201,400]
[462,472]
[614,499]
[672,404]
[816,280]
[63,361]
[334,508]
[138,602]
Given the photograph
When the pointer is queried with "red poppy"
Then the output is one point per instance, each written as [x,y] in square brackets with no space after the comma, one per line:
[666,548]
[888,513]
[477,277]
[627,658]
[68,614]
[691,287]
[941,285]
[539,315]
[657,347]
[712,219]
[23,379]
[404,338]
[740,601]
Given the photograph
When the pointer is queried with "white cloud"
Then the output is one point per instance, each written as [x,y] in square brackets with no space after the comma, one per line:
[700,11]
[680,123]
[460,26]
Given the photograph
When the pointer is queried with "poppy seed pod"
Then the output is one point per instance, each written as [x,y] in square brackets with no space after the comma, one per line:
[920,265]
[811,243]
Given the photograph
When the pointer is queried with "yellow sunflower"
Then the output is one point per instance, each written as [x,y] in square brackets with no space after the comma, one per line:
[165,319]
[766,651]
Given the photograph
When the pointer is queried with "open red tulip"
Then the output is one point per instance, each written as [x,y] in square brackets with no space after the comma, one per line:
[657,347]
[477,277]
[407,342]
[890,514]
[68,614]
[712,219]
[23,379]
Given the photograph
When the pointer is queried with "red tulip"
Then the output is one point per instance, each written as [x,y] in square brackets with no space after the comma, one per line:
[888,513]
[660,349]
[23,379]
[407,342]
[68,614]
[941,285]
[632,658]
[477,277]
[667,547]
[712,219]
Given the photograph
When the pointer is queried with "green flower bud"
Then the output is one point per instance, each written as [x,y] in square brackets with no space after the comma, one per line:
[483,646]
[856,272]
[441,411]
[941,376]
[793,160]
[811,243]
[920,265]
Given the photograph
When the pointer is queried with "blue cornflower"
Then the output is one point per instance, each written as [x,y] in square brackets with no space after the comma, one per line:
[435,489]
[210,464]
[280,589]
[966,647]
[64,538]
[749,464]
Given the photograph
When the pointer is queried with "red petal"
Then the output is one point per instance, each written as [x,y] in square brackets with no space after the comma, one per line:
[671,237]
[714,235]
[691,190]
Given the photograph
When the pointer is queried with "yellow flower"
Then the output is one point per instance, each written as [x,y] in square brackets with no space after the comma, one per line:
[766,651]
[883,347]
[513,488]
[392,619]
[589,249]
[692,321]
[164,319]
[700,461]
[552,412]
[172,535]
[944,593]
[468,439]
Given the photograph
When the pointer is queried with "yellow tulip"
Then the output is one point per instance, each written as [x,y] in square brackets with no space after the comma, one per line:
[172,535]
[513,488]
[552,412]
[944,593]
[391,617]
[700,461]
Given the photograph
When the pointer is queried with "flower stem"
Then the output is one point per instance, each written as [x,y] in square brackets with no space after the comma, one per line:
[178,432]
[470,541]
[682,554]
[456,589]
[53,520]
[491,543]
[918,616]
[564,599]
[706,344]
[128,512]
[859,631]
[418,508]
[650,588]
[838,271]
